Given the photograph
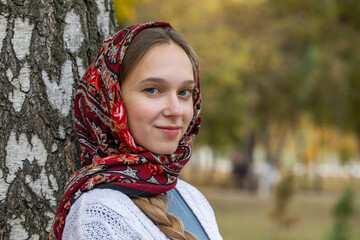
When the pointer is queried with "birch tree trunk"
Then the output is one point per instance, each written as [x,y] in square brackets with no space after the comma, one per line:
[45,48]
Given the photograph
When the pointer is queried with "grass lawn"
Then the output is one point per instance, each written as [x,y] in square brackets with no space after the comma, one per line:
[242,215]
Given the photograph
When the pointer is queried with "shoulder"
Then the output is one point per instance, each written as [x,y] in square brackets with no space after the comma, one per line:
[108,214]
[186,187]
[200,207]
[192,195]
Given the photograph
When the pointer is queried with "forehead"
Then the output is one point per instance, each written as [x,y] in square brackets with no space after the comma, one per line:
[164,61]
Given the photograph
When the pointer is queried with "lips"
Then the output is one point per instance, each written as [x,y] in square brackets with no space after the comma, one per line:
[170,130]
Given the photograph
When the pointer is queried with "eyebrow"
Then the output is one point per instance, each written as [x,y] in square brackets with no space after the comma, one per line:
[160,80]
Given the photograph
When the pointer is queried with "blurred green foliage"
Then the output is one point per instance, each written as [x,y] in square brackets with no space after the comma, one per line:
[284,191]
[342,212]
[124,10]
[269,62]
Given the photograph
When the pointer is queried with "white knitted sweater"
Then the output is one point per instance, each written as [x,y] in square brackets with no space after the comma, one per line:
[109,214]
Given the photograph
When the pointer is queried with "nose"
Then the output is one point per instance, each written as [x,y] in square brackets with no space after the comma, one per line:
[173,106]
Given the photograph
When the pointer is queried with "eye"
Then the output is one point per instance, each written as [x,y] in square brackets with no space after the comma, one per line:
[151,90]
[186,92]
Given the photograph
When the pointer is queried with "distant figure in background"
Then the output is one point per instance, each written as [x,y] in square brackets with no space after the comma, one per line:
[137,111]
[240,168]
[242,171]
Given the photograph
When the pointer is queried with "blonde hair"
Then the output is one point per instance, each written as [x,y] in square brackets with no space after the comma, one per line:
[155,209]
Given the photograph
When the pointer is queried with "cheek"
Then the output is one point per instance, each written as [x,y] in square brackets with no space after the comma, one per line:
[139,114]
[138,123]
[188,114]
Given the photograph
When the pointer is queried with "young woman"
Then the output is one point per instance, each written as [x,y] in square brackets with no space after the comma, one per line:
[137,111]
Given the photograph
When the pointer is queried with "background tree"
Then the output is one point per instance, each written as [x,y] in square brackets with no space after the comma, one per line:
[45,48]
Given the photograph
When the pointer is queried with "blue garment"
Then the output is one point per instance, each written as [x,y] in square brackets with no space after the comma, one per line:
[179,207]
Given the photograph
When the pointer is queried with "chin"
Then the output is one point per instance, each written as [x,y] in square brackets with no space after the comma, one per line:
[165,150]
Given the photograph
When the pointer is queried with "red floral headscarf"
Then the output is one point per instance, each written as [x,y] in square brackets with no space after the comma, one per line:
[109,152]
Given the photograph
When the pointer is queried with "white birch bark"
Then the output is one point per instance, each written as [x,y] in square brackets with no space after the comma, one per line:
[45,48]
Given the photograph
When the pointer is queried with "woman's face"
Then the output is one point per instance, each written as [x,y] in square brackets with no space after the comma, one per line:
[157,94]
